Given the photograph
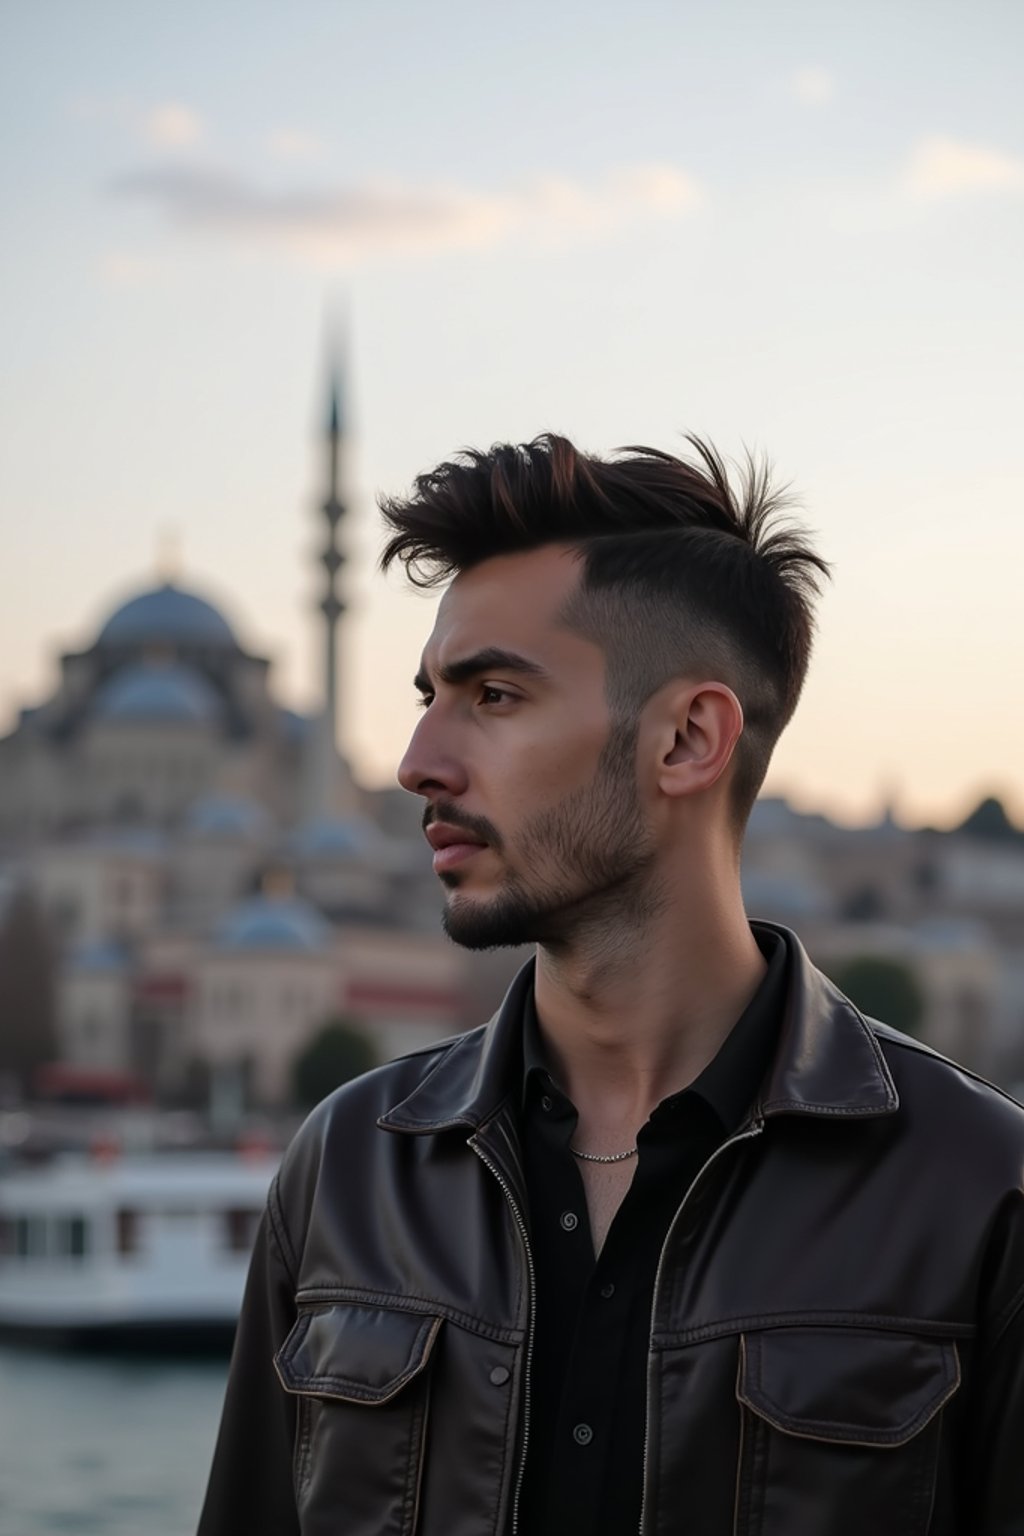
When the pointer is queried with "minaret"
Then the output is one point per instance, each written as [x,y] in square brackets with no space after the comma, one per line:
[331,605]
[328,790]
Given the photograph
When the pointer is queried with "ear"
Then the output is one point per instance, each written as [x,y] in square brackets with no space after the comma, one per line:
[708,719]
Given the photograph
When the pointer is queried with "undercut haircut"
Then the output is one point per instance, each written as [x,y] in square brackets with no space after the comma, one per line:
[684,573]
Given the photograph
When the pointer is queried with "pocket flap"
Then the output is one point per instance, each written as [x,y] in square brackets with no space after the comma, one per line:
[850,1385]
[357,1354]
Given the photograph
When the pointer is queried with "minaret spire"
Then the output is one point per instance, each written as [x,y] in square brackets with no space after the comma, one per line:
[331,604]
[327,788]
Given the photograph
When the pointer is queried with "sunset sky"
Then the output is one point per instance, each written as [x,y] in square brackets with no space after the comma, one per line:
[794,226]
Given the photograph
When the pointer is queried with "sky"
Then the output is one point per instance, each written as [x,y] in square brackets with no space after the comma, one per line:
[790,227]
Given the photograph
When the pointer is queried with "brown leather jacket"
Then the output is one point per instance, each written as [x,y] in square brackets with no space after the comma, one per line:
[837,1340]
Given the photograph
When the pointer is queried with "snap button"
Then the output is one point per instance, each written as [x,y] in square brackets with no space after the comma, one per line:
[500,1375]
[570,1221]
[583,1434]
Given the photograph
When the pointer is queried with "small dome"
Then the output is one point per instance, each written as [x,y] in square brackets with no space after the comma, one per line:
[227,816]
[168,614]
[153,691]
[336,837]
[98,955]
[273,922]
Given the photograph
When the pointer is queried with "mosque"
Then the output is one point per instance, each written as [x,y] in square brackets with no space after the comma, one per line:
[220,885]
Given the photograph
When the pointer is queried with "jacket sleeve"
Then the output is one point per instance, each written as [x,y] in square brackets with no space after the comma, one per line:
[994,1492]
[250,1491]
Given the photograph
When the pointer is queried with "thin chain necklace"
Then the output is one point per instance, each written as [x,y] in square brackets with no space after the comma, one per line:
[601,1157]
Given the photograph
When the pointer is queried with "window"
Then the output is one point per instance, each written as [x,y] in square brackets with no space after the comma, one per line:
[70,1237]
[127,1231]
[240,1227]
[30,1237]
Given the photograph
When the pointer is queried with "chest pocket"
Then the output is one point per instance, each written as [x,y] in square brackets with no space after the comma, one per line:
[360,1374]
[840,1430]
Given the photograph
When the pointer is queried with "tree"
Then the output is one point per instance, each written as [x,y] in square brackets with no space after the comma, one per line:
[28,990]
[335,1054]
[884,988]
[989,820]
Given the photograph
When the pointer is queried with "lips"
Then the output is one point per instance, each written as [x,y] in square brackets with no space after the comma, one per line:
[442,834]
[452,845]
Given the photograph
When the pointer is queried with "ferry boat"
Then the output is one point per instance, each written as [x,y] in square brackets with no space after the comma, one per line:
[137,1250]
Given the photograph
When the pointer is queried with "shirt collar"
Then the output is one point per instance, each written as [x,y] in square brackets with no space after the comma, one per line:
[730,1081]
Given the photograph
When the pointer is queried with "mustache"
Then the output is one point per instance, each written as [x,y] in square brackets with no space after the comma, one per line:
[478,826]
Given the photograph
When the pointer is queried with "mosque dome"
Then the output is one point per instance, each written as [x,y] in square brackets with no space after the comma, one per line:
[227,816]
[336,837]
[274,922]
[157,691]
[98,955]
[168,615]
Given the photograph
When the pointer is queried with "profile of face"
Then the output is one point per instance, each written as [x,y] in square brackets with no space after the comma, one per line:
[533,806]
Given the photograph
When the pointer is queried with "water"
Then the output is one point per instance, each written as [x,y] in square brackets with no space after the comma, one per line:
[105,1447]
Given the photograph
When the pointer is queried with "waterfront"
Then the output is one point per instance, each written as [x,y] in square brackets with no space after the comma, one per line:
[95,1446]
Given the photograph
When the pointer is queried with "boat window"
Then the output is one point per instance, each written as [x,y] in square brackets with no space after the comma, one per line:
[30,1237]
[6,1236]
[127,1230]
[70,1236]
[240,1227]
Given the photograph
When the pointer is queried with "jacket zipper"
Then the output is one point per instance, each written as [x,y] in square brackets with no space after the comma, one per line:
[531,1273]
[754,1129]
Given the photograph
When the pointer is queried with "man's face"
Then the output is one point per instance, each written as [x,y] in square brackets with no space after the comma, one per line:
[532,805]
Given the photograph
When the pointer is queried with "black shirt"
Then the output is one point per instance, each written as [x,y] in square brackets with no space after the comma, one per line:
[584,1468]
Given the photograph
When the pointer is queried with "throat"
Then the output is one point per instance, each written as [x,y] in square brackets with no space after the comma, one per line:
[605,1186]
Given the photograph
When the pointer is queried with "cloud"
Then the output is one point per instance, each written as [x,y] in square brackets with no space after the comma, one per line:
[345,223]
[813,86]
[939,168]
[172,126]
[294,144]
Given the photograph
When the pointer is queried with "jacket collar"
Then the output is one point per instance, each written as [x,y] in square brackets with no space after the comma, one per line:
[828,1061]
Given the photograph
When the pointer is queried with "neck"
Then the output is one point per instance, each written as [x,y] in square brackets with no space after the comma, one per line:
[626,1024]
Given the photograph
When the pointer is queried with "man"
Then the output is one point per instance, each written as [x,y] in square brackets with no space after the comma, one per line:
[678,1242]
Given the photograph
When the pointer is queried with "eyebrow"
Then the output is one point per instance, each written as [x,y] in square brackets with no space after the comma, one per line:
[491,659]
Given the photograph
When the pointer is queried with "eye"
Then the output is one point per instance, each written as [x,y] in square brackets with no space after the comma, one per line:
[424,701]
[490,693]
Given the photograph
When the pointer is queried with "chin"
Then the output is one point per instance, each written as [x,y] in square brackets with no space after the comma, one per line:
[503,923]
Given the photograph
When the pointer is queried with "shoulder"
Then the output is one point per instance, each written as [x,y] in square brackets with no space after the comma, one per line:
[956,1101]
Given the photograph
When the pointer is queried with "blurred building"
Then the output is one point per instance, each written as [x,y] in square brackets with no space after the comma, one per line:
[949,906]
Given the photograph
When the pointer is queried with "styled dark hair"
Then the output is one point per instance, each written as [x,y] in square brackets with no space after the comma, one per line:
[683,573]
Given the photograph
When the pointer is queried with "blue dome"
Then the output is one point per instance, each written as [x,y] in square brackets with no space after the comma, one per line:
[227,816]
[335,837]
[273,922]
[168,614]
[154,691]
[98,955]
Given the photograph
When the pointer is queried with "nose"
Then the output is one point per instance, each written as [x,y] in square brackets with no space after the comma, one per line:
[429,766]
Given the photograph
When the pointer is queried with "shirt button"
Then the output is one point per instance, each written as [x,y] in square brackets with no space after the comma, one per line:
[608,1291]
[570,1221]
[499,1376]
[546,1102]
[583,1434]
